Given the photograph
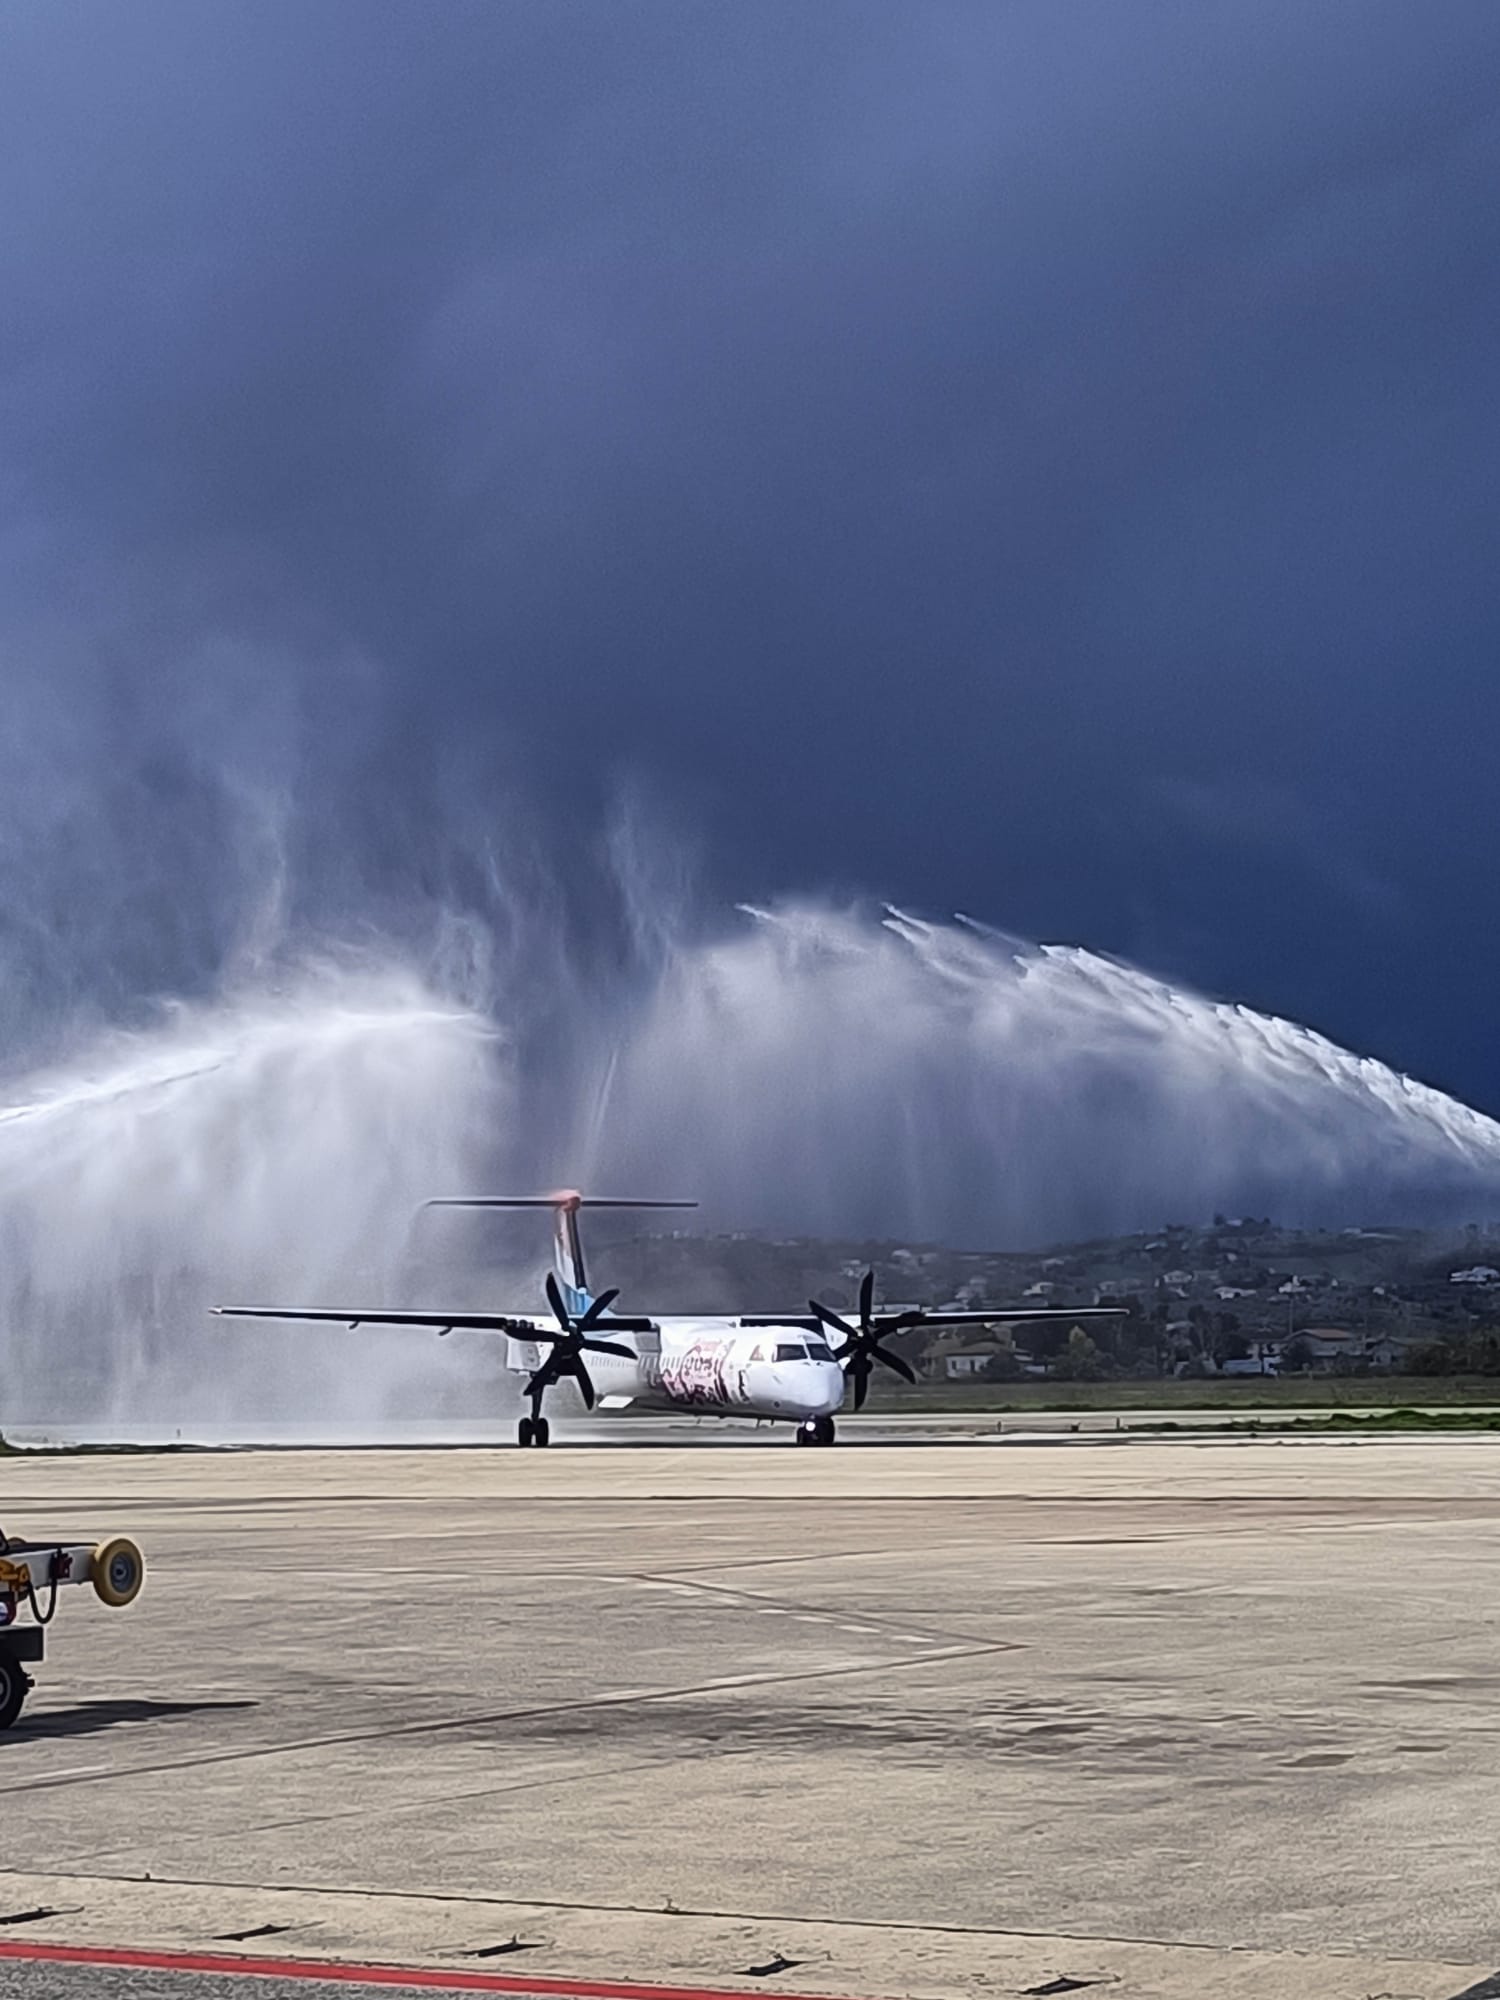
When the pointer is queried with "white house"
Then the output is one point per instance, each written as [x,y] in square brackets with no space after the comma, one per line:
[966,1362]
[1332,1346]
[1264,1358]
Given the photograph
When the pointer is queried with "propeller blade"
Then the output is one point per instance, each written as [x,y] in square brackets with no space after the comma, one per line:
[860,1347]
[541,1378]
[585,1386]
[555,1300]
[830,1318]
[895,1362]
[608,1347]
[600,1306]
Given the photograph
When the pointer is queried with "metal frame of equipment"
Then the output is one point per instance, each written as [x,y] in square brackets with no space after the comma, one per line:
[31,1574]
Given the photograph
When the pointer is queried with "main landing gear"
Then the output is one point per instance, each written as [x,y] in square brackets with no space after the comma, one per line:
[817,1430]
[534,1429]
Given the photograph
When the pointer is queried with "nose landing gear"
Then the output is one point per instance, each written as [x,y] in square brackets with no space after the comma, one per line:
[816,1430]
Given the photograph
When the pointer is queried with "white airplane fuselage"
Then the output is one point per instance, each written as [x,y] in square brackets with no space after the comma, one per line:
[713,1366]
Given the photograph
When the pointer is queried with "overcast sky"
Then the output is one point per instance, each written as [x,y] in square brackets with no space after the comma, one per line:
[1033,457]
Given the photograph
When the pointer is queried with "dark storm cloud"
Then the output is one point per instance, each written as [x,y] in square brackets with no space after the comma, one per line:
[1033,458]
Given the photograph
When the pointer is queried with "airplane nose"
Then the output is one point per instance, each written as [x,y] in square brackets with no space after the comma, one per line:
[823,1393]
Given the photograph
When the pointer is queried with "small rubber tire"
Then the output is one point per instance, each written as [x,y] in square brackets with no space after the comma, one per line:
[15,1685]
[543,1433]
[525,1432]
[117,1571]
[804,1435]
[826,1431]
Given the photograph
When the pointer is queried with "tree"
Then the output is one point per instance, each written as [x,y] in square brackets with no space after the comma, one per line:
[1046,1339]
[1229,1344]
[1458,1354]
[1435,1357]
[1080,1360]
[1296,1356]
[1004,1365]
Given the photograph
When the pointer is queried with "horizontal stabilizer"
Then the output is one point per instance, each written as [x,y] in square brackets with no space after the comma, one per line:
[565,1199]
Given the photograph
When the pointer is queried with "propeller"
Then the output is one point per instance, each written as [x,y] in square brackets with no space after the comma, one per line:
[570,1346]
[860,1346]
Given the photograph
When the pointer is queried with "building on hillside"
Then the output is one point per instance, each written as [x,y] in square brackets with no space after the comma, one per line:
[963,1363]
[1264,1358]
[1333,1347]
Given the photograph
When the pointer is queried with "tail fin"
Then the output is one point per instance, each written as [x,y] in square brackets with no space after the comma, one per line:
[567,1248]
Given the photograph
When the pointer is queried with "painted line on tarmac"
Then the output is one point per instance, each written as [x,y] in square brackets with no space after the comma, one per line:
[436,1979]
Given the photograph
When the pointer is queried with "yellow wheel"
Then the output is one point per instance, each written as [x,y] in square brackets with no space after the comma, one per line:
[117,1572]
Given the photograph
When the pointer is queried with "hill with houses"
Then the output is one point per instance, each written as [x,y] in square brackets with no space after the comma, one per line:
[1239,1295]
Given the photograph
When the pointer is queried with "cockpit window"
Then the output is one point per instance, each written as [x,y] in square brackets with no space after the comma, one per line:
[819,1350]
[790,1350]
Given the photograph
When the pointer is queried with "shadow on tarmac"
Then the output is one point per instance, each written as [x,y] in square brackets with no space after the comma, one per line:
[89,1717]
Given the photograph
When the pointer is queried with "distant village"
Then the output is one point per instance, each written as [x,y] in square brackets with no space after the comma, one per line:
[1241,1296]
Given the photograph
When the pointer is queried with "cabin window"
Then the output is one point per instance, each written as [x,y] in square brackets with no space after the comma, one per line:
[791,1350]
[819,1350]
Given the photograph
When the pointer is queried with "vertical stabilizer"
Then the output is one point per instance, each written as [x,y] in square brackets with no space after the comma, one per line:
[567,1253]
[567,1243]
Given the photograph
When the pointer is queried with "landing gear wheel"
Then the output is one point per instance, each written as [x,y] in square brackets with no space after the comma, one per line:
[805,1434]
[541,1433]
[15,1685]
[823,1431]
[526,1432]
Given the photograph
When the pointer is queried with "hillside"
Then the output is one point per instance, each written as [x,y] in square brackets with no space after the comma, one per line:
[1240,1294]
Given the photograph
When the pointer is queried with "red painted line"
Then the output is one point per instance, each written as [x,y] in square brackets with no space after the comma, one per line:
[365,1975]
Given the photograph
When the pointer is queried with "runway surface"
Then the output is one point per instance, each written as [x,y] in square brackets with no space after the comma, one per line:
[1168,1718]
[575,1431]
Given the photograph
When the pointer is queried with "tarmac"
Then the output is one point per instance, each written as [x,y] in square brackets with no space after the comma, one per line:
[1165,1718]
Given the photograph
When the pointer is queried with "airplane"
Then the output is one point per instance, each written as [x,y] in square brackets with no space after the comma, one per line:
[773,1366]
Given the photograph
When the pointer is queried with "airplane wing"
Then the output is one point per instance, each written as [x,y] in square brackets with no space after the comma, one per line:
[989,1316]
[523,1329]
